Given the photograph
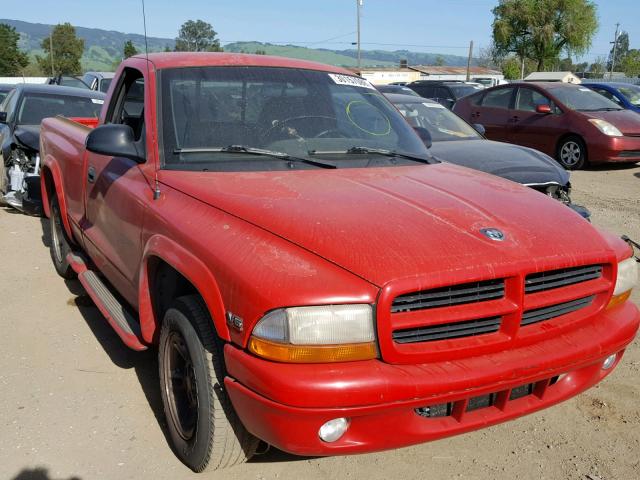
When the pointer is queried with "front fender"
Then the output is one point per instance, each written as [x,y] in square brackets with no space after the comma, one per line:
[189,266]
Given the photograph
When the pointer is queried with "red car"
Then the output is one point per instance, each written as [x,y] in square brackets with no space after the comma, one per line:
[572,123]
[309,274]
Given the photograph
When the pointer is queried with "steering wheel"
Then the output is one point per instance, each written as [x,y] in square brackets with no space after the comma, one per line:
[282,124]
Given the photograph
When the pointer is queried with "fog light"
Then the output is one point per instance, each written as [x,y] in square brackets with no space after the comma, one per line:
[609,361]
[333,429]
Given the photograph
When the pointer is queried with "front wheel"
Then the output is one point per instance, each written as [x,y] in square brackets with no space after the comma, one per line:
[205,431]
[58,243]
[572,153]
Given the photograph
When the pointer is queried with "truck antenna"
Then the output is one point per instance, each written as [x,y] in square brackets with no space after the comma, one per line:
[156,188]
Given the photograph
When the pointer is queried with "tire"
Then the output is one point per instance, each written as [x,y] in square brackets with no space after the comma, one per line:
[572,153]
[4,180]
[58,243]
[205,431]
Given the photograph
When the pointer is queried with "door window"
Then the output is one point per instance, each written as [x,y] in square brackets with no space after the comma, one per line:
[528,99]
[500,98]
[129,102]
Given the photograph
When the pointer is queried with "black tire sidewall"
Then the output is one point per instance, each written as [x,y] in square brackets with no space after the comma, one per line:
[62,267]
[195,451]
[583,153]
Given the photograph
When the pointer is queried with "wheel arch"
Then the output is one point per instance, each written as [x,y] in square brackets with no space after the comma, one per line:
[51,184]
[168,271]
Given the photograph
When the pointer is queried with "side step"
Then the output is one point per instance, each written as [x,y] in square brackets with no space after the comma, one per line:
[124,324]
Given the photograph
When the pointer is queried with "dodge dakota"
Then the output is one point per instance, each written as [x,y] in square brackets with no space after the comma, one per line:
[310,275]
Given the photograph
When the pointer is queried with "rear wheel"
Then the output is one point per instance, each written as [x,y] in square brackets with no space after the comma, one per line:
[572,153]
[58,243]
[205,430]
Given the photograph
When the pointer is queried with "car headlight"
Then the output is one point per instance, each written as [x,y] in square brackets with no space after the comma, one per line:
[330,333]
[627,279]
[606,128]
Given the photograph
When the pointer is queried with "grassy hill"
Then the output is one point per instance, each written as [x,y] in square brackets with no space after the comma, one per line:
[103,49]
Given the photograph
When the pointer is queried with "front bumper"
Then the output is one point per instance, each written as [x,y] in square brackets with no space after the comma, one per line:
[615,149]
[285,404]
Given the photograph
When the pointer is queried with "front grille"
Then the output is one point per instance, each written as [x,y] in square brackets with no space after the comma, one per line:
[538,282]
[545,313]
[629,153]
[448,331]
[448,296]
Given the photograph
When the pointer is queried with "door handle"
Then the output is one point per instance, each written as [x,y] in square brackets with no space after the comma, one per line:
[515,119]
[91,174]
[475,115]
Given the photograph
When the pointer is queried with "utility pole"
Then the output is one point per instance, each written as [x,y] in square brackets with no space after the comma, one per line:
[615,46]
[53,73]
[358,6]
[469,60]
[522,69]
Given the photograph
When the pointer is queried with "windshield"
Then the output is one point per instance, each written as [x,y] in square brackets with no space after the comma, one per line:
[286,111]
[460,91]
[104,84]
[442,124]
[631,93]
[36,106]
[582,99]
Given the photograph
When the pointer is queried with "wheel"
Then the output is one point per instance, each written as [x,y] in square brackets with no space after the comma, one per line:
[205,431]
[58,243]
[572,153]
[4,179]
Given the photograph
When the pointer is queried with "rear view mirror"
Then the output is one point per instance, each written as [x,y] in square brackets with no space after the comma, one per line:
[424,135]
[543,108]
[3,117]
[114,140]
[479,128]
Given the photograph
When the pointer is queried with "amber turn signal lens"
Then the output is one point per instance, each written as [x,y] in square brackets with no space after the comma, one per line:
[288,353]
[618,299]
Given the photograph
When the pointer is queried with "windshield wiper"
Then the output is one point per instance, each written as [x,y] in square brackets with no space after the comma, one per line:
[256,151]
[377,151]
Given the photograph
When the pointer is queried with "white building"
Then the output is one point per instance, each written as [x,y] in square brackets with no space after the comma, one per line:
[565,77]
[16,80]
[407,74]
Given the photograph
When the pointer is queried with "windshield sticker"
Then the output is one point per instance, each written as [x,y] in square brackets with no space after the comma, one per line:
[433,105]
[99,101]
[351,81]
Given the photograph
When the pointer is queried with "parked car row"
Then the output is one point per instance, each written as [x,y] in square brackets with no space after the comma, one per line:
[21,113]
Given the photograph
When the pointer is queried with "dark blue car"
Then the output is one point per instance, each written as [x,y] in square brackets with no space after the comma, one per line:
[624,94]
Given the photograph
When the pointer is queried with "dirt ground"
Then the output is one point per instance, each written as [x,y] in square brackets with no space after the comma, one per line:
[76,403]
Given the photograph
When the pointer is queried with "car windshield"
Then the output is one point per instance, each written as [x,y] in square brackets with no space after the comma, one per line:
[36,106]
[442,124]
[104,84]
[463,90]
[631,93]
[251,118]
[582,99]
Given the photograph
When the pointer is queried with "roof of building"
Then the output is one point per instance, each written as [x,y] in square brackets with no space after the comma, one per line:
[552,76]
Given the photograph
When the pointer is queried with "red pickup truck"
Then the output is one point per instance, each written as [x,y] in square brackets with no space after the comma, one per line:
[309,274]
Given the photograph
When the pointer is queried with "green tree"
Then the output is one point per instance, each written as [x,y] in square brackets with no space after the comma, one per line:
[67,51]
[129,49]
[511,68]
[597,68]
[631,63]
[12,59]
[197,36]
[260,52]
[622,49]
[543,29]
[439,62]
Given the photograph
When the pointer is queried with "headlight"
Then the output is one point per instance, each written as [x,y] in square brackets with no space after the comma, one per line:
[606,128]
[626,280]
[331,333]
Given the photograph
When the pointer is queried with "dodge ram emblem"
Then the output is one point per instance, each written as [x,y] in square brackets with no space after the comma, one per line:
[492,234]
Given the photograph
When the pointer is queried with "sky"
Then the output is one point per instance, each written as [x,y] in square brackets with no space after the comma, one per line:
[438,26]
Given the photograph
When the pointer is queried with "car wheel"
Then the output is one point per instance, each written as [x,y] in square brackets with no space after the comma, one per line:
[572,153]
[58,243]
[205,431]
[4,179]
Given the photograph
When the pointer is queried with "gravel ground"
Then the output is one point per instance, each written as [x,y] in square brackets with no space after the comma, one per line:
[77,404]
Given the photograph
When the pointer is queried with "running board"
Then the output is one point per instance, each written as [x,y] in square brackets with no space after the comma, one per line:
[124,324]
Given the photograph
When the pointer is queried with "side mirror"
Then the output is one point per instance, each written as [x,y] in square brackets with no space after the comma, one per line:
[424,135]
[3,117]
[114,140]
[479,128]
[543,108]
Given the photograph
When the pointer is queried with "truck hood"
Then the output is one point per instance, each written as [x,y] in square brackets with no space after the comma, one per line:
[513,162]
[384,224]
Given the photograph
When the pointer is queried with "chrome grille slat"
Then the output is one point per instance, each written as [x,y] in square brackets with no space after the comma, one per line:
[545,313]
[542,281]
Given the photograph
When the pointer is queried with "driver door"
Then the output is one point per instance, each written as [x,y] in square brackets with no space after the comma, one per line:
[115,194]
